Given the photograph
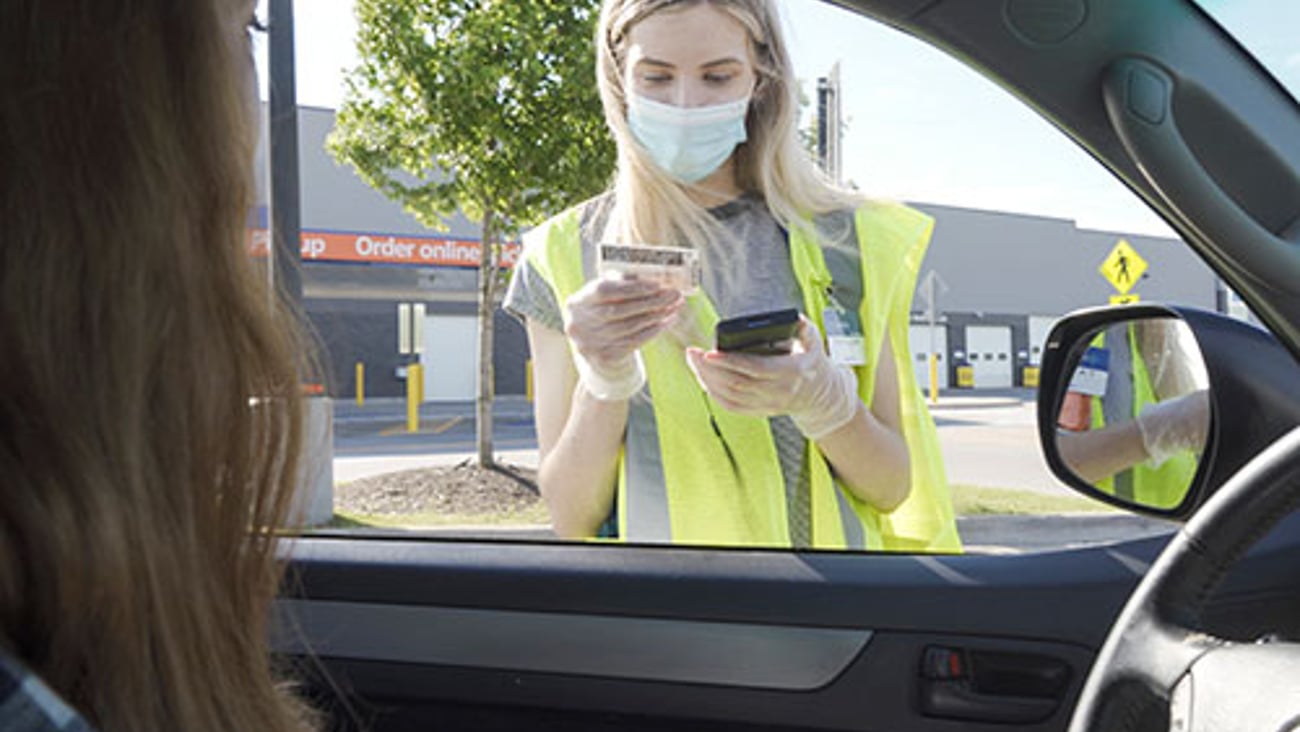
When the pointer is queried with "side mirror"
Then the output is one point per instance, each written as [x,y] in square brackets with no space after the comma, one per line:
[1152,408]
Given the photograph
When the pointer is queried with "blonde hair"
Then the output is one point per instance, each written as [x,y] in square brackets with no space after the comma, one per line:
[139,489]
[1171,356]
[650,206]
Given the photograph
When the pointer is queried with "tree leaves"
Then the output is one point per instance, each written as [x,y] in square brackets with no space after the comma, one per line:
[476,105]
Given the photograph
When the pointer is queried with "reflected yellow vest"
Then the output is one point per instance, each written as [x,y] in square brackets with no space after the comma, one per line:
[1162,487]
[726,487]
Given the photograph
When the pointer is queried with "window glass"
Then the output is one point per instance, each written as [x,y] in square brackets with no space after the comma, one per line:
[1025,224]
[1267,30]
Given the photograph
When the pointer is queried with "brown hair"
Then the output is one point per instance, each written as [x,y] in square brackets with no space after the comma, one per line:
[149,414]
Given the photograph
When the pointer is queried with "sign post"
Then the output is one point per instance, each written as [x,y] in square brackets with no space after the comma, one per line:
[932,286]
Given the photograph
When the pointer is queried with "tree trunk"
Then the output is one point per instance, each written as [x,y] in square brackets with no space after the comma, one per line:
[487,279]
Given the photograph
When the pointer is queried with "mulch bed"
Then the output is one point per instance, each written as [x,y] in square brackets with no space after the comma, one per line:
[463,489]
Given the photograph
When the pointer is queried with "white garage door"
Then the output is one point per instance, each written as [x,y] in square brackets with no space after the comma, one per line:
[988,348]
[1039,327]
[919,335]
[449,355]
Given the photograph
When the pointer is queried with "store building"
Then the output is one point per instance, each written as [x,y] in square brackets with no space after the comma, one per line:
[382,290]
[1009,277]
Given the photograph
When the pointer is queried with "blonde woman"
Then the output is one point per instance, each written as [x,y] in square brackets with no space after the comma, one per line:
[149,415]
[648,434]
[1140,438]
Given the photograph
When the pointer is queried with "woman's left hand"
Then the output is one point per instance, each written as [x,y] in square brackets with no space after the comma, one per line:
[817,394]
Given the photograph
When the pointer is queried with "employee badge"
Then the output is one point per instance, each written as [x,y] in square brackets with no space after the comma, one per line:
[845,343]
[1091,376]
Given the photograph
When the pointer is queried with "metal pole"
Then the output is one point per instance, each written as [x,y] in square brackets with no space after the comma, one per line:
[414,385]
[1220,296]
[286,215]
[823,124]
[932,312]
[361,384]
[835,128]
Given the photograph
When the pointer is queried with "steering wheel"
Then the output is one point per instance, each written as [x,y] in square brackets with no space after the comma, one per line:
[1157,670]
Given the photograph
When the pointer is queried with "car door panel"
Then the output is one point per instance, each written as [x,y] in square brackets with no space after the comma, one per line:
[743,655]
[559,589]
[420,631]
[815,590]
[878,691]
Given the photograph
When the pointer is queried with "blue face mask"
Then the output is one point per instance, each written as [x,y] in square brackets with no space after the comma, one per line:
[689,143]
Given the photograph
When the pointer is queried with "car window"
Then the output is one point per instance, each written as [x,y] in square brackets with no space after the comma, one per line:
[1027,227]
[1264,29]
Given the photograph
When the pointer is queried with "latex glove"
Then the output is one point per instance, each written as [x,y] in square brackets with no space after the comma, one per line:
[1174,426]
[606,322]
[818,395]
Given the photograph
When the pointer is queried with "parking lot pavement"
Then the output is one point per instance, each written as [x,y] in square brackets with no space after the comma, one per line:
[988,438]
[991,440]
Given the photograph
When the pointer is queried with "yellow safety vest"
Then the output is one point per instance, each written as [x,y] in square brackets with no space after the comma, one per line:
[1162,487]
[682,482]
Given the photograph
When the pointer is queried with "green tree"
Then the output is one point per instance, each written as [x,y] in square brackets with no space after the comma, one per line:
[484,107]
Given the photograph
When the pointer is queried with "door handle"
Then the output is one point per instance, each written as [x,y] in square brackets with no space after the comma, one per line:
[957,700]
[991,686]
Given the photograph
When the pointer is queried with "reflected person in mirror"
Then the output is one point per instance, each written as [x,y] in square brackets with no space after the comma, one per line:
[1137,412]
[647,433]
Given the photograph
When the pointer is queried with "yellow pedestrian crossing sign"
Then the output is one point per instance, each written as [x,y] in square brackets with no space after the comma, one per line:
[1123,267]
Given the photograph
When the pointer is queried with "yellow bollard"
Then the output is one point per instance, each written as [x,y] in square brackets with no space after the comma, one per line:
[528,379]
[966,377]
[361,384]
[934,378]
[1031,376]
[413,398]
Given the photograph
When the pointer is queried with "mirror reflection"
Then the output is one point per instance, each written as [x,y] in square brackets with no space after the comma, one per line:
[1136,413]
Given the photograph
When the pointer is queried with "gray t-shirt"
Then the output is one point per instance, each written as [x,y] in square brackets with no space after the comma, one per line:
[758,249]
[745,273]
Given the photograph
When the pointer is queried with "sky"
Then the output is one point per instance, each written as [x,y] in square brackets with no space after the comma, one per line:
[921,127]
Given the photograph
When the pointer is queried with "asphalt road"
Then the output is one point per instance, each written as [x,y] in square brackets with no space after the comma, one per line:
[380,429]
[988,438]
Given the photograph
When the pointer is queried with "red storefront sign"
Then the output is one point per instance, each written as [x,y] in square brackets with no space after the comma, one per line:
[323,246]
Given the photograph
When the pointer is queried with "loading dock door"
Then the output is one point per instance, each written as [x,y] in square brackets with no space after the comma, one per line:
[1039,327]
[988,348]
[449,355]
[919,335]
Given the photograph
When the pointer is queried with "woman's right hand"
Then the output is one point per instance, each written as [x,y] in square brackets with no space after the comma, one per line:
[609,319]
